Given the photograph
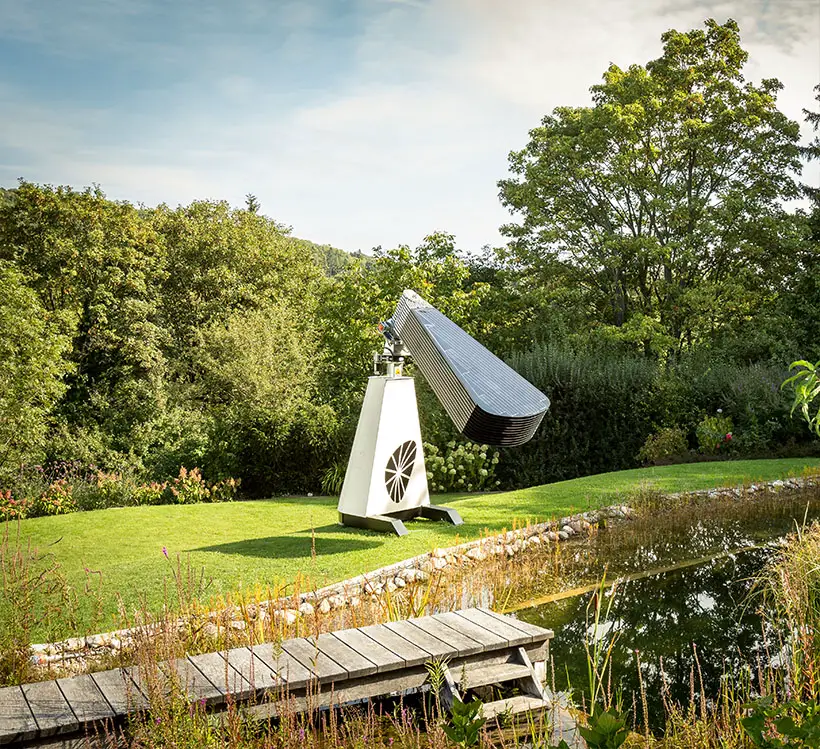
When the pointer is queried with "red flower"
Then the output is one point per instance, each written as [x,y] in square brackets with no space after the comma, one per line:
[728,435]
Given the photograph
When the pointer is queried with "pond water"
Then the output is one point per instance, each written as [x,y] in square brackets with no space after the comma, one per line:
[684,607]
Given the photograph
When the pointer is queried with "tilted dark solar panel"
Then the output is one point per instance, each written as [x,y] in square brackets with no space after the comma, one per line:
[486,399]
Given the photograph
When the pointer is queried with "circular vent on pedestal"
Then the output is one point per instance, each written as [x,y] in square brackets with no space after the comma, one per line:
[398,471]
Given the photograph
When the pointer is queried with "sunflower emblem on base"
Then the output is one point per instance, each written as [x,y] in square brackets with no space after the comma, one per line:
[399,469]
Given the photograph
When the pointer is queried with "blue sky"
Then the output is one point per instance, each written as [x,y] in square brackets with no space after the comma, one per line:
[358,122]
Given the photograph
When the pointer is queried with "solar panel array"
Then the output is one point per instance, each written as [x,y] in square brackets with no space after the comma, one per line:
[486,399]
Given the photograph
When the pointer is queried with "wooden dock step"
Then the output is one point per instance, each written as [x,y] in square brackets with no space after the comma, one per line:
[514,706]
[479,676]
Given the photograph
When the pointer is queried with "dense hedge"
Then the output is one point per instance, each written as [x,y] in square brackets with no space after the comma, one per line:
[603,409]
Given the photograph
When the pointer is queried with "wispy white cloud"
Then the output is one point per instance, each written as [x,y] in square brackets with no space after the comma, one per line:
[403,128]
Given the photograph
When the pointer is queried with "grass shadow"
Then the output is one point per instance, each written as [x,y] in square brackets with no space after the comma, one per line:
[290,547]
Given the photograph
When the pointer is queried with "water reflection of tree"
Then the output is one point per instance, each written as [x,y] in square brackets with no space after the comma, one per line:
[661,617]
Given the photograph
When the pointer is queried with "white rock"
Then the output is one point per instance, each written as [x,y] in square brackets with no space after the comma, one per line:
[408,574]
[324,606]
[239,624]
[306,609]
[289,615]
[399,582]
[439,563]
[476,554]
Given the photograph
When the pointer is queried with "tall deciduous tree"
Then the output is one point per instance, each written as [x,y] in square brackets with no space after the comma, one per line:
[94,264]
[31,350]
[662,202]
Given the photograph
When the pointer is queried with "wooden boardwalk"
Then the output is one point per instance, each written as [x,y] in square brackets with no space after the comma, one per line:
[480,648]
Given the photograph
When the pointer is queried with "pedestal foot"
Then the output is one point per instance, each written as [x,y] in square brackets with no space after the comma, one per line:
[436,512]
[381,523]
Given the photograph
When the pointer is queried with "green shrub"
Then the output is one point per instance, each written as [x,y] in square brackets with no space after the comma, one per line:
[602,410]
[187,488]
[749,395]
[333,478]
[714,432]
[466,721]
[58,499]
[12,508]
[149,494]
[806,386]
[76,490]
[225,490]
[461,467]
[664,445]
[104,490]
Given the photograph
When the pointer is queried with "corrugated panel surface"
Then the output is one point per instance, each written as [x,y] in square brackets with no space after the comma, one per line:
[487,400]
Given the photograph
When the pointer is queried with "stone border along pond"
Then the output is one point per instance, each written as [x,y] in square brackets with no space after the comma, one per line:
[72,654]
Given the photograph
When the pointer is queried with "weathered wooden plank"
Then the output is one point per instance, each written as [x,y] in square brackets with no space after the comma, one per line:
[431,644]
[289,671]
[356,664]
[321,664]
[538,633]
[255,672]
[85,698]
[355,689]
[16,720]
[120,690]
[73,741]
[382,657]
[489,640]
[513,636]
[49,707]
[478,675]
[151,683]
[523,703]
[407,651]
[196,685]
[462,643]
[216,669]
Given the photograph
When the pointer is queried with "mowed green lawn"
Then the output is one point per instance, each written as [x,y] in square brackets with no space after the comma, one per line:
[244,545]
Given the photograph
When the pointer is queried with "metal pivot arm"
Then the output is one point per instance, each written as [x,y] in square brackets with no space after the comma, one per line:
[391,361]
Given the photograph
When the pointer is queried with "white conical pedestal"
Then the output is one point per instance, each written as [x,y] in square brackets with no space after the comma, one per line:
[386,481]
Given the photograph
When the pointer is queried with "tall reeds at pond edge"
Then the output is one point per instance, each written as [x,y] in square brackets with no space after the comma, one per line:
[790,589]
[773,705]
